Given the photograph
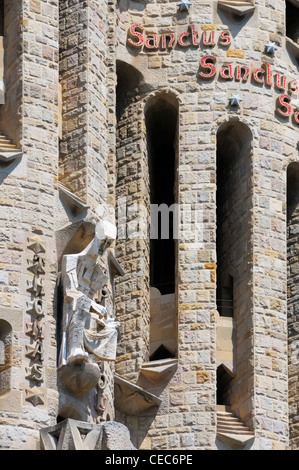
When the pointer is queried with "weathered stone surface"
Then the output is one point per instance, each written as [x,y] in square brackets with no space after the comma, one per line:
[77,95]
[116,437]
[79,379]
[77,435]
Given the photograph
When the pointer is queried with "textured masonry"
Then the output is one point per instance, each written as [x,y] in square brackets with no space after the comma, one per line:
[80,78]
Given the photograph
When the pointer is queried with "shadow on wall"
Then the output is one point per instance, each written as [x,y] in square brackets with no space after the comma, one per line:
[128,81]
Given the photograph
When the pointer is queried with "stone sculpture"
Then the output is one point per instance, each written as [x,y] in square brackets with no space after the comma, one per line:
[89,332]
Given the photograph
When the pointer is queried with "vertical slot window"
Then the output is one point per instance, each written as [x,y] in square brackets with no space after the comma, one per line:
[161,126]
[234,300]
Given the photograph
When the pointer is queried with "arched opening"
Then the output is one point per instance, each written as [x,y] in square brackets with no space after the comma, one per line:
[293,297]
[234,299]
[161,125]
[5,356]
[161,118]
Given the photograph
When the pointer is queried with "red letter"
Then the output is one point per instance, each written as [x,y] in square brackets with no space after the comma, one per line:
[164,42]
[256,75]
[207,65]
[211,40]
[268,75]
[239,73]
[151,42]
[278,84]
[224,38]
[293,87]
[284,101]
[180,40]
[194,35]
[226,72]
[136,34]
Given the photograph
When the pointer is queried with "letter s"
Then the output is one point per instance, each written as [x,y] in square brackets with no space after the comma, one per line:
[284,101]
[134,33]
[207,65]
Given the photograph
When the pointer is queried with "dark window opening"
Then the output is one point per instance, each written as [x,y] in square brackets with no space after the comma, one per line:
[292,22]
[225,297]
[224,377]
[1,17]
[293,297]
[233,147]
[162,353]
[161,125]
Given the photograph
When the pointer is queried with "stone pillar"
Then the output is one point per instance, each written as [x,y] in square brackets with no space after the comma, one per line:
[10,115]
[270,387]
[132,248]
[83,80]
[83,171]
[27,238]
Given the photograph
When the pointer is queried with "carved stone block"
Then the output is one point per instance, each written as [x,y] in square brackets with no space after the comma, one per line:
[77,435]
[79,378]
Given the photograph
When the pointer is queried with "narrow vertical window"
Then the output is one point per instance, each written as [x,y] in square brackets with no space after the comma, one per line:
[1,17]
[234,302]
[161,126]
[225,296]
[293,297]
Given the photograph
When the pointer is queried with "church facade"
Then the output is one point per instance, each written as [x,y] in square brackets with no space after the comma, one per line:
[149,269]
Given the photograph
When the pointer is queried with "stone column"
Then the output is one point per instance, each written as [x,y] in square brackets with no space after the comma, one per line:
[88,137]
[132,248]
[83,80]
[28,188]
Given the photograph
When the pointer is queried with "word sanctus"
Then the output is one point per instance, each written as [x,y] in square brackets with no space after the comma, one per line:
[261,75]
[137,38]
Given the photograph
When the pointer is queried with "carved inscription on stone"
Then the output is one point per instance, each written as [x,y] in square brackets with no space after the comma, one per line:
[35,328]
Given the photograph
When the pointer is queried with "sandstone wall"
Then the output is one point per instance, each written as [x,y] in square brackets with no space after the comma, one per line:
[28,190]
[187,416]
[75,56]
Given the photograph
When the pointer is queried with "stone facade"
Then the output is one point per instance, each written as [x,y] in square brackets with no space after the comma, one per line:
[113,107]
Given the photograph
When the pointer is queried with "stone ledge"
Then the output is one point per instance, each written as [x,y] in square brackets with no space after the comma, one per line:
[235,440]
[238,8]
[8,151]
[74,203]
[131,399]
